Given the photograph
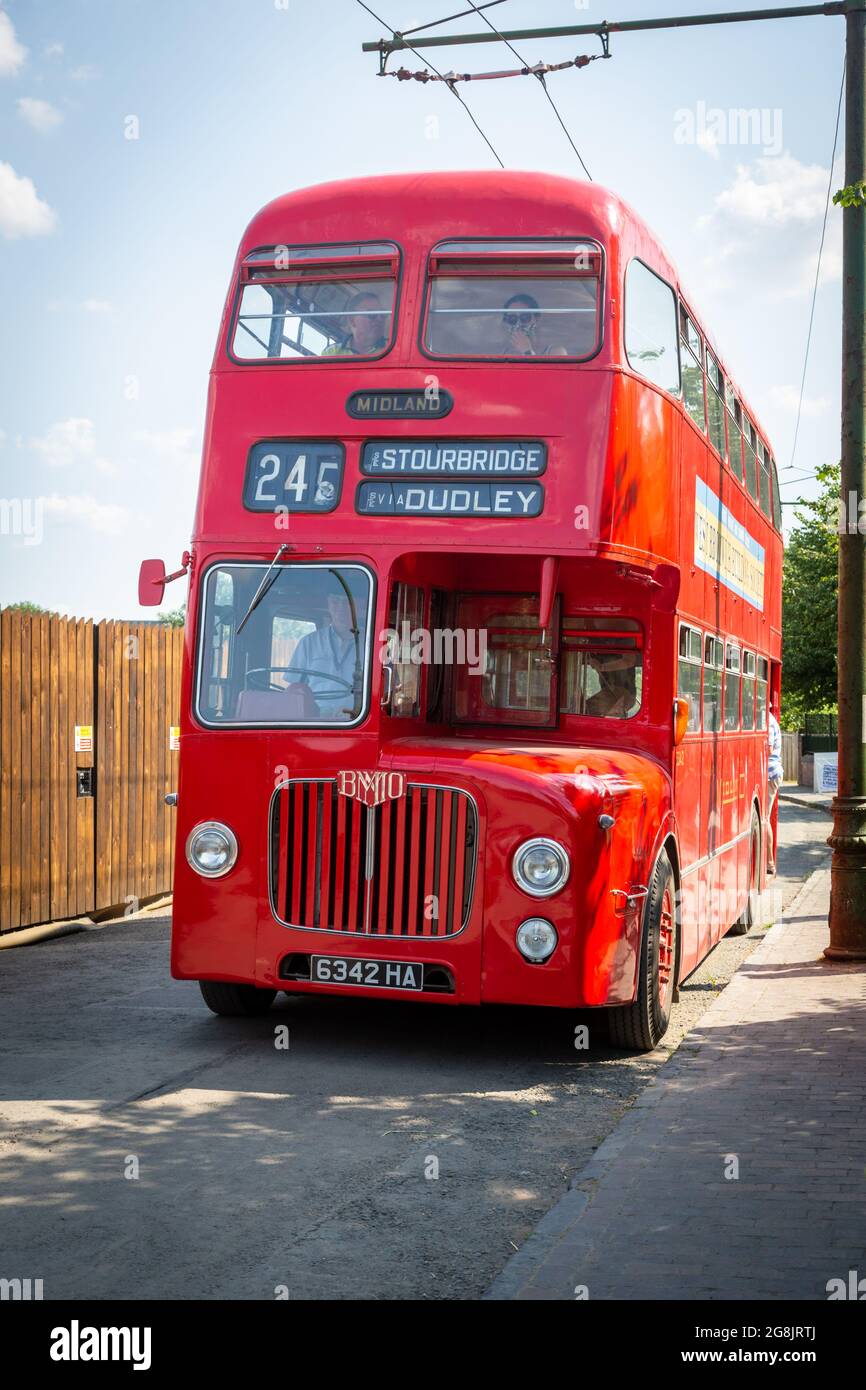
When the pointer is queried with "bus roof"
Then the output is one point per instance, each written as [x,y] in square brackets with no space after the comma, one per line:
[423,208]
[439,204]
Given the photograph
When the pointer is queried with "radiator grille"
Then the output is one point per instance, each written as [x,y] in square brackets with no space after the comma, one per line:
[405,868]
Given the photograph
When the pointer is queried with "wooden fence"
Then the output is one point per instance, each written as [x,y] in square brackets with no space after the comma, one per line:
[74,696]
[791,756]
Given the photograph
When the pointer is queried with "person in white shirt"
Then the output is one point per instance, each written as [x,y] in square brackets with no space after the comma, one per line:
[774,781]
[334,651]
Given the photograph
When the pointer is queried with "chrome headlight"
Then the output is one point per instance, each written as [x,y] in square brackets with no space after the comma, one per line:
[541,867]
[536,940]
[211,849]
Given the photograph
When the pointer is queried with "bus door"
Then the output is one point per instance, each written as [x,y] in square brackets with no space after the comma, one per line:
[688,771]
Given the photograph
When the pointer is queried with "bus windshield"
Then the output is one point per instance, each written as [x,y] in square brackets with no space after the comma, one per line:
[301,656]
[514,300]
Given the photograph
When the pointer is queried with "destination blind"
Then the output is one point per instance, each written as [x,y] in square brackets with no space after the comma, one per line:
[460,468]
[424,498]
[499,458]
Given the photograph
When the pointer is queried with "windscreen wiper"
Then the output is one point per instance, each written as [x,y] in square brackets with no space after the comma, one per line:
[262,589]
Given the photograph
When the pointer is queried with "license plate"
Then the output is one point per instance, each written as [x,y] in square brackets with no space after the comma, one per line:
[375,974]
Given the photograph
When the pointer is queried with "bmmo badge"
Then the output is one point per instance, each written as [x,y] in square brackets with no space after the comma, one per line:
[371,788]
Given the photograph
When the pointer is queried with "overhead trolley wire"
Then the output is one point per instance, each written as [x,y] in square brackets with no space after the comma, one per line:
[538,70]
[575,62]
[451,88]
[434,23]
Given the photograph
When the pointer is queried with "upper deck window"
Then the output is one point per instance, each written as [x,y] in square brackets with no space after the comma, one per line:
[316,301]
[651,327]
[514,299]
[692,369]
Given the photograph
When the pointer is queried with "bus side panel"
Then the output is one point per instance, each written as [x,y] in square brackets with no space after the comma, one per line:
[641,503]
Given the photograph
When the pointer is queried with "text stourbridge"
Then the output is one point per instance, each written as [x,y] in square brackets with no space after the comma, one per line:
[505,458]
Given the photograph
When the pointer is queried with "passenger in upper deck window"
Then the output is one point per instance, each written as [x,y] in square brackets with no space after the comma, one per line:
[364,324]
[520,320]
[616,697]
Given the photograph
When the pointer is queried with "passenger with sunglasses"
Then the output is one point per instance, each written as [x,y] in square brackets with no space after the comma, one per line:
[520,320]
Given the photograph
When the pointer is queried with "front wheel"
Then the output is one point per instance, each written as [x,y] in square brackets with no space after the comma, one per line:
[641,1025]
[236,1001]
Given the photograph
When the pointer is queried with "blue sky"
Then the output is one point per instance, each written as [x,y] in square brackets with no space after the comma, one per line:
[115,252]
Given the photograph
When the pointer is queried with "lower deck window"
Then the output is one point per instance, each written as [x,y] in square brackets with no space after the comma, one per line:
[602,667]
[713,657]
[689,674]
[589,665]
[748,691]
[511,682]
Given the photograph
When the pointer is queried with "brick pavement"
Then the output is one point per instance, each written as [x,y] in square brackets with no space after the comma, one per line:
[773,1080]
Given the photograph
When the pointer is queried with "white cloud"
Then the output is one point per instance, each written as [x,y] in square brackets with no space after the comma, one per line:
[180,446]
[775,192]
[41,115]
[86,73]
[69,442]
[787,398]
[97,306]
[54,50]
[12,53]
[105,517]
[22,211]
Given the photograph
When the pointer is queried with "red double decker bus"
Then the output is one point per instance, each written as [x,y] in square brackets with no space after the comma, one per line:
[484,612]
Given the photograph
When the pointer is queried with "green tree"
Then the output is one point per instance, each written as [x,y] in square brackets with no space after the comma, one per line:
[173,617]
[810,591]
[853,195]
[25,606]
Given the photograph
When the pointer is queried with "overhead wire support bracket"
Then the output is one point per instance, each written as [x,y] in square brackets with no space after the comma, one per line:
[539,70]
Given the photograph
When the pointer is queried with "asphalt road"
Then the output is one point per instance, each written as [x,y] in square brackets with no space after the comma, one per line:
[151,1150]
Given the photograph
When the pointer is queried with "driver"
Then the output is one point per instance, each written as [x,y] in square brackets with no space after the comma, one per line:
[616,697]
[331,649]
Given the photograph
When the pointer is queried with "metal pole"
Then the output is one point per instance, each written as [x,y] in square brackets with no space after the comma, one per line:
[397,42]
[848,840]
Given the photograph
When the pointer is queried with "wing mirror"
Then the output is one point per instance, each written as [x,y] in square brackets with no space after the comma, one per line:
[151,583]
[152,579]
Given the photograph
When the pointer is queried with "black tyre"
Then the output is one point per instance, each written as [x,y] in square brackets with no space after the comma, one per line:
[641,1025]
[236,1001]
[749,915]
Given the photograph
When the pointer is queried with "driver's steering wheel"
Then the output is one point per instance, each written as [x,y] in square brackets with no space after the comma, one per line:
[295,671]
